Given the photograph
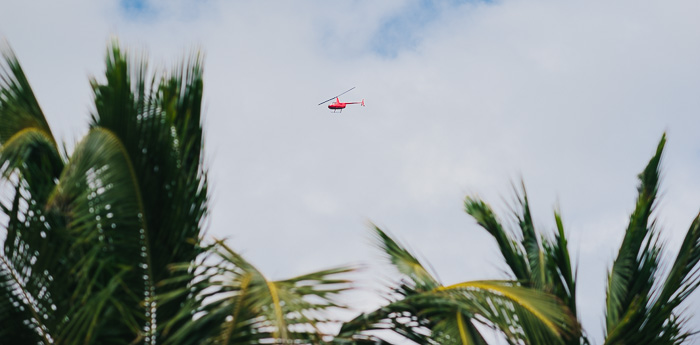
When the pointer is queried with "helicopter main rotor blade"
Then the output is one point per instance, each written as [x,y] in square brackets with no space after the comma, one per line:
[334,97]
[330,99]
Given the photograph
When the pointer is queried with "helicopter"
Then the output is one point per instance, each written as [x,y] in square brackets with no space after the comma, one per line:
[338,105]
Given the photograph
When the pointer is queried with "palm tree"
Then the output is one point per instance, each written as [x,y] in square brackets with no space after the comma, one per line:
[424,311]
[105,245]
[642,304]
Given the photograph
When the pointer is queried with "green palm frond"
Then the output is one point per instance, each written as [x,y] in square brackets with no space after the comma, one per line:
[682,279]
[18,105]
[29,260]
[641,306]
[237,304]
[448,314]
[458,330]
[537,261]
[532,307]
[100,199]
[30,264]
[632,274]
[27,144]
[405,262]
[158,121]
[530,241]
[561,277]
[512,251]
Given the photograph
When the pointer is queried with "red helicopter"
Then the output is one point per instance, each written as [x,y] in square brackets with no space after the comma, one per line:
[338,105]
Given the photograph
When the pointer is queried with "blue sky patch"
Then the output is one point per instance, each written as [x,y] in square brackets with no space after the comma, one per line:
[136,8]
[403,29]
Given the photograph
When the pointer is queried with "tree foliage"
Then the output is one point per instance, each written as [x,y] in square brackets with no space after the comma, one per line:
[104,245]
[423,310]
[643,305]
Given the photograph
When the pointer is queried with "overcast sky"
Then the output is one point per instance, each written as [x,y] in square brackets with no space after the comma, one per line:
[463,98]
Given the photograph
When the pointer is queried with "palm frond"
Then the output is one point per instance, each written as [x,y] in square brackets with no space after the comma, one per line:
[27,145]
[530,241]
[529,304]
[18,105]
[20,314]
[33,246]
[543,263]
[458,330]
[99,196]
[158,120]
[655,318]
[563,279]
[235,300]
[684,275]
[400,317]
[447,315]
[512,252]
[405,262]
[632,274]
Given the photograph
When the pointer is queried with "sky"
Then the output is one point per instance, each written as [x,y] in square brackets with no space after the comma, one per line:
[462,98]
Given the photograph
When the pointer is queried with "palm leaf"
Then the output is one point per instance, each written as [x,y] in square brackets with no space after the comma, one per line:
[538,261]
[237,304]
[447,315]
[405,262]
[29,260]
[559,267]
[100,198]
[158,121]
[533,248]
[512,252]
[458,328]
[28,146]
[641,306]
[684,275]
[530,305]
[632,273]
